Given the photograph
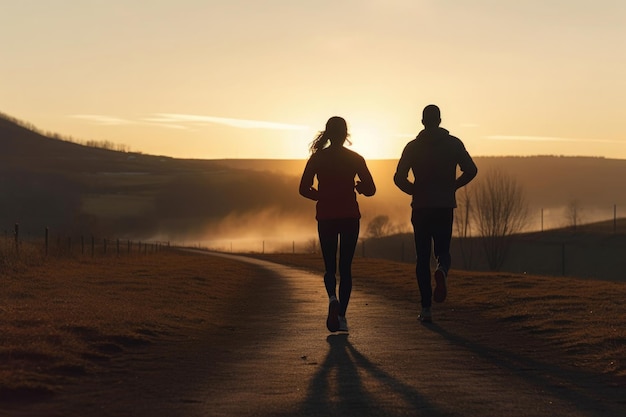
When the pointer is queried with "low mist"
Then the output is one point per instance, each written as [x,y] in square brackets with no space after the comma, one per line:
[559,192]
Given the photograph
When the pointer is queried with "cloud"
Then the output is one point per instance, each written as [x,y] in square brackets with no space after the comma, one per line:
[102,119]
[238,123]
[167,125]
[549,139]
[186,121]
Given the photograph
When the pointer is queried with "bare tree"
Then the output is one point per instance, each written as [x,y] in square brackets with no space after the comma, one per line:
[379,226]
[311,246]
[573,214]
[500,212]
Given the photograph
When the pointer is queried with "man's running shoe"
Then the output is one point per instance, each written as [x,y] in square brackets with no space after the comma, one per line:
[426,316]
[332,322]
[441,290]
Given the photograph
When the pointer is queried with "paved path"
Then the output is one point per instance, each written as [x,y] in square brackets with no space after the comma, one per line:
[388,365]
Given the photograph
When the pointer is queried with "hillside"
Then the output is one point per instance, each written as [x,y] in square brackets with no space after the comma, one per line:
[80,190]
[76,189]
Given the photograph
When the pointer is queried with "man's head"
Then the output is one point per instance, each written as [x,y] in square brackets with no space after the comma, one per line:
[431,116]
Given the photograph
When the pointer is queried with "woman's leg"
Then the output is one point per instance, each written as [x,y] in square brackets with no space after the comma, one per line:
[328,235]
[349,237]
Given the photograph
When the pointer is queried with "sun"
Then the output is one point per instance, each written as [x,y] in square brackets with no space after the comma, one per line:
[374,142]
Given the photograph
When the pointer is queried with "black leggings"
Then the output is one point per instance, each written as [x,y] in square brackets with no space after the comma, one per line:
[346,231]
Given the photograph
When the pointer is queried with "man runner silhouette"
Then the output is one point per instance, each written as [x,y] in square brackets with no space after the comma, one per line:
[433,157]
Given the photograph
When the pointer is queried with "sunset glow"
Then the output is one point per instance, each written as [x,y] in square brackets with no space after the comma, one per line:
[241,79]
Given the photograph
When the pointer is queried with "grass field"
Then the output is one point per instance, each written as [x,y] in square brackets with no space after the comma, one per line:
[66,319]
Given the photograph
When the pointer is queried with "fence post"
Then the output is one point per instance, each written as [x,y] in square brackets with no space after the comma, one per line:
[563,259]
[93,246]
[17,237]
[614,218]
[46,241]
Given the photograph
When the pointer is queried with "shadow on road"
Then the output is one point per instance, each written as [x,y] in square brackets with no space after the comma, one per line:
[593,393]
[348,383]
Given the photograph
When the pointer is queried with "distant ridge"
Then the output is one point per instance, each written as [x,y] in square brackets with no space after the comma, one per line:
[54,181]
[548,181]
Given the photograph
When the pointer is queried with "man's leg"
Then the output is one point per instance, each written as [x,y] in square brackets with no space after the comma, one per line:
[442,235]
[421,229]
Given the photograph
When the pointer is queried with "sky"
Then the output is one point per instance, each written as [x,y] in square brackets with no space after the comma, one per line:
[258,79]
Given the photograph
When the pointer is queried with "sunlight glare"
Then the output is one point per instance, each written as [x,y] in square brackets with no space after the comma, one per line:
[369,141]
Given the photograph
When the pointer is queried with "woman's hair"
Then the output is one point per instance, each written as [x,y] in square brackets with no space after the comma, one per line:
[336,130]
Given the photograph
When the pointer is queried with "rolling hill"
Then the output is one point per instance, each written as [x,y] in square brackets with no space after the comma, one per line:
[76,189]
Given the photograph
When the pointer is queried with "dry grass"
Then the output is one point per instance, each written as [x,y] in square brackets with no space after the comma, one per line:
[62,319]
[66,318]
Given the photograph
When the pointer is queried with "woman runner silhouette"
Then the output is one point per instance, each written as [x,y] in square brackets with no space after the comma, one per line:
[337,210]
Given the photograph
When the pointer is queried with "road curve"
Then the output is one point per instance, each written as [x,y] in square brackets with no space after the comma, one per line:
[388,365]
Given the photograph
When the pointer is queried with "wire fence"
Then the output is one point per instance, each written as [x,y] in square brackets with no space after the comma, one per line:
[594,250]
[46,244]
[583,250]
[605,218]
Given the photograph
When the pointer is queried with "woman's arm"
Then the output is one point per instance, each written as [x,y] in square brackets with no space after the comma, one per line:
[306,182]
[366,184]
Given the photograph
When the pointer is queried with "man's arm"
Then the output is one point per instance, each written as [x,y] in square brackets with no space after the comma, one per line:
[401,177]
[468,170]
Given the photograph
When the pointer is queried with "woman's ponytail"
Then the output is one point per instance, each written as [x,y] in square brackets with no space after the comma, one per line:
[319,142]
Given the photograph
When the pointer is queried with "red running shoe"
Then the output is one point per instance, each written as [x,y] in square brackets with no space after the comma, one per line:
[441,290]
